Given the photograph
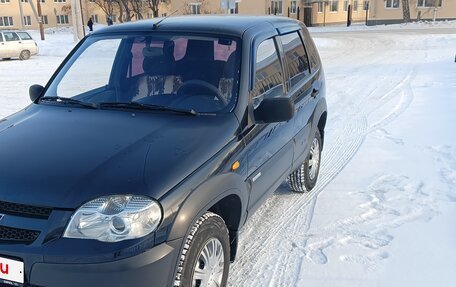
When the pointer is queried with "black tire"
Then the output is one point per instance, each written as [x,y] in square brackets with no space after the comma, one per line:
[24,55]
[305,177]
[208,228]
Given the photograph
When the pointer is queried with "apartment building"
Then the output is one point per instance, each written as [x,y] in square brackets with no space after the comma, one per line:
[312,12]
[391,11]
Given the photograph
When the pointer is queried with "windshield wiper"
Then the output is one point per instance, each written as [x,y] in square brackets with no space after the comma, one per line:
[70,101]
[140,106]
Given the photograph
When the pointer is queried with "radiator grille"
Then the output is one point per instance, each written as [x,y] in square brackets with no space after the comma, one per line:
[24,210]
[16,235]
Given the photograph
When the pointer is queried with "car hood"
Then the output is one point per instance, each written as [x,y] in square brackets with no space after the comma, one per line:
[62,157]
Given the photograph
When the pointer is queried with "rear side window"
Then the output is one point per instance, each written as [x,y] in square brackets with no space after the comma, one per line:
[296,57]
[24,35]
[10,36]
[314,58]
[268,73]
[1,37]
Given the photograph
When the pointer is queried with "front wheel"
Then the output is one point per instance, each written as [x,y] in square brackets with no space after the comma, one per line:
[305,177]
[205,258]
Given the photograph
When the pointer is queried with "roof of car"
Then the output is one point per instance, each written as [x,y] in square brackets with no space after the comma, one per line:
[225,24]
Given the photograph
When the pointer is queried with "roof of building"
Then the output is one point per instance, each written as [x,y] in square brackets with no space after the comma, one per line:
[224,24]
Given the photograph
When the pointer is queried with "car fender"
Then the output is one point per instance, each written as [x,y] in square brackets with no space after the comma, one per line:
[204,197]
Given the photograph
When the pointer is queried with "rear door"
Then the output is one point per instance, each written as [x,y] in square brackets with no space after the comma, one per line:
[300,84]
[269,146]
[27,42]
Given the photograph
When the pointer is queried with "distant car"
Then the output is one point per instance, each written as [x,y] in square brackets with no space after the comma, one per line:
[17,44]
[151,145]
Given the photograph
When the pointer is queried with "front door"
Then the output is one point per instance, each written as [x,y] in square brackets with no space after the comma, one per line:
[12,44]
[269,146]
[4,53]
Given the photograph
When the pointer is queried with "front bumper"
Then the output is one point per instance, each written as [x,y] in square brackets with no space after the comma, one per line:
[151,268]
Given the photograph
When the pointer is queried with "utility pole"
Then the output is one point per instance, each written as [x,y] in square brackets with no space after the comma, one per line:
[21,11]
[435,10]
[324,14]
[40,19]
[82,18]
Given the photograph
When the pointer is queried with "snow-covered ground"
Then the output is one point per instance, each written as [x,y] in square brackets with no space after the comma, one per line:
[384,210]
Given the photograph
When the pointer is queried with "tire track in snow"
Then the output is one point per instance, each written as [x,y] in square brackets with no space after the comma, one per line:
[260,235]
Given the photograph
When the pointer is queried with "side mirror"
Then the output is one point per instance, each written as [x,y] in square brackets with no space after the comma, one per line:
[274,110]
[35,92]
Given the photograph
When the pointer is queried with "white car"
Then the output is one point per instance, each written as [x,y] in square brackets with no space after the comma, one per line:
[17,44]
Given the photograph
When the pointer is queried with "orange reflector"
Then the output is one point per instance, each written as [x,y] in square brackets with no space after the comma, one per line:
[235,165]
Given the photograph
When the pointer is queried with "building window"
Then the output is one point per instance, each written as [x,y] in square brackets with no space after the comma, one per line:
[293,7]
[59,1]
[43,1]
[27,21]
[277,7]
[4,1]
[6,21]
[62,20]
[345,5]
[320,7]
[334,6]
[195,8]
[44,19]
[392,4]
[94,18]
[24,1]
[236,9]
[429,3]
[355,5]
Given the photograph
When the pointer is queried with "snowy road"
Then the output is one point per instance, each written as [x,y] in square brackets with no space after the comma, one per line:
[389,161]
[385,204]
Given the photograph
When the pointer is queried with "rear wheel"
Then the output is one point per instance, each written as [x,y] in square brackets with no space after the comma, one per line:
[25,55]
[205,258]
[305,177]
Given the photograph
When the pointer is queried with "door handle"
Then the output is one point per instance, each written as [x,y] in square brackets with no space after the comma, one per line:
[314,93]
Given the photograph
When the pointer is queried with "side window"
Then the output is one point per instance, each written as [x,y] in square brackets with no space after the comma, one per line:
[24,35]
[314,58]
[296,58]
[10,36]
[268,73]
[1,37]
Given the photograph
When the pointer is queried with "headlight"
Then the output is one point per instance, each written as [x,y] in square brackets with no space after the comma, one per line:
[115,218]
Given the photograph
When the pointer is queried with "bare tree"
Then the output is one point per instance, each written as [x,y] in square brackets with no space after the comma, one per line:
[107,6]
[406,10]
[137,6]
[154,5]
[125,8]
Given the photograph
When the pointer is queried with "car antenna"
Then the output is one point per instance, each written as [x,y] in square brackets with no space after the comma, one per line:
[155,26]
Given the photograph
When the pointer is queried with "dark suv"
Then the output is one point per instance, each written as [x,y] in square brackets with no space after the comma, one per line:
[151,145]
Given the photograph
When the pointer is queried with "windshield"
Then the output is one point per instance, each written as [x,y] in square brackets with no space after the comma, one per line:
[181,72]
